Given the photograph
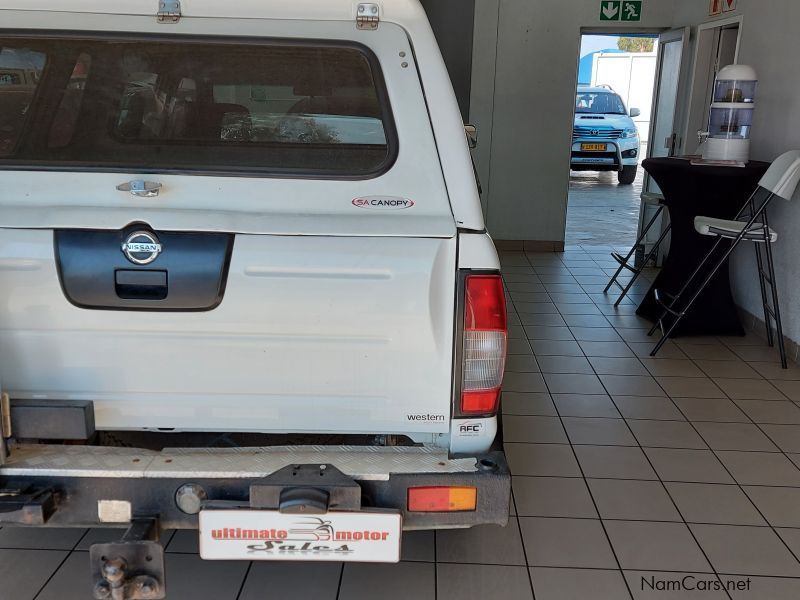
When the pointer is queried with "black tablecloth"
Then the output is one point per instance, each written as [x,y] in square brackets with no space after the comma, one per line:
[690,191]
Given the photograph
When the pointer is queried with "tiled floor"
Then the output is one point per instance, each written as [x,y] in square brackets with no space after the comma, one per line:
[631,475]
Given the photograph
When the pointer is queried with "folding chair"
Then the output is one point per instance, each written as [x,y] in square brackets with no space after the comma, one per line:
[653,200]
[780,180]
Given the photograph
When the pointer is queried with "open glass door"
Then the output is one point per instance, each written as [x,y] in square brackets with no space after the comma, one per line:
[671,77]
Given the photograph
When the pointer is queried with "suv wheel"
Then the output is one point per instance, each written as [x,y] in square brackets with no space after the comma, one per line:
[628,174]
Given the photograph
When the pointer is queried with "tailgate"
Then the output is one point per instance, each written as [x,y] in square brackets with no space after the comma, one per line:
[314,334]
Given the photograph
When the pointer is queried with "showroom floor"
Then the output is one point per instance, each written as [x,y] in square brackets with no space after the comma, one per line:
[632,475]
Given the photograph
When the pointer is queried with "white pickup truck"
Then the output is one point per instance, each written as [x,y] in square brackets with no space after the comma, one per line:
[245,283]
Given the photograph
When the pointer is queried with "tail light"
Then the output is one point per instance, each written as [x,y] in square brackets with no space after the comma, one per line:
[485,337]
[442,499]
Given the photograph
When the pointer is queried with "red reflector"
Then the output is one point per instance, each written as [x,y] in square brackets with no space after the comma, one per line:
[482,402]
[442,499]
[485,306]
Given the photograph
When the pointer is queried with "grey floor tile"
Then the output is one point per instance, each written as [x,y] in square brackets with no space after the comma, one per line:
[72,581]
[791,538]
[714,503]
[631,385]
[521,363]
[519,346]
[530,297]
[579,309]
[40,538]
[735,436]
[418,546]
[191,577]
[641,545]
[565,364]
[773,588]
[658,585]
[516,333]
[702,466]
[593,320]
[779,505]
[578,584]
[528,403]
[690,387]
[478,582]
[746,550]
[648,407]
[668,351]
[731,369]
[790,389]
[542,319]
[523,382]
[562,383]
[395,581]
[553,497]
[484,544]
[538,332]
[542,430]
[760,468]
[614,462]
[617,366]
[707,351]
[185,541]
[749,389]
[771,411]
[585,405]
[774,372]
[666,434]
[24,573]
[606,349]
[787,437]
[524,286]
[292,580]
[672,367]
[567,298]
[721,410]
[596,334]
[536,308]
[546,460]
[566,543]
[633,500]
[598,432]
[555,348]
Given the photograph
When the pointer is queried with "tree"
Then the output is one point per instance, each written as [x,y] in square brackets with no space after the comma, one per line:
[636,44]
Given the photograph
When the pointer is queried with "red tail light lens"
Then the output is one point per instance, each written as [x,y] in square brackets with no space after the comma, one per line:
[485,339]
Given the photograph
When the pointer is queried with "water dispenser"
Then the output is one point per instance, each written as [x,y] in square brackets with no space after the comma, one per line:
[731,118]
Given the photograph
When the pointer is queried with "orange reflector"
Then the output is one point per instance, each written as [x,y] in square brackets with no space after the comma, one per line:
[442,499]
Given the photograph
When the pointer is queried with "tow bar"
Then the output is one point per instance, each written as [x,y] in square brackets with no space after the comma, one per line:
[133,567]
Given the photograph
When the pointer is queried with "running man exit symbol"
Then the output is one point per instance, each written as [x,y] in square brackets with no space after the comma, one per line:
[609,10]
[631,10]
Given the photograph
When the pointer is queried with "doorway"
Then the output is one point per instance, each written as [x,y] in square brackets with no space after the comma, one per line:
[610,136]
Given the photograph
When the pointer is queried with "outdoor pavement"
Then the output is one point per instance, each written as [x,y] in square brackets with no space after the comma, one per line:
[602,212]
[629,472]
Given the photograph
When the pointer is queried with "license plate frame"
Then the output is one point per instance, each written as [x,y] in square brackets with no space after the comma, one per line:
[247,534]
[594,147]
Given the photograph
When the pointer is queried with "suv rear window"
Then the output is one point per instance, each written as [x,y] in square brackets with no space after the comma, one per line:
[196,104]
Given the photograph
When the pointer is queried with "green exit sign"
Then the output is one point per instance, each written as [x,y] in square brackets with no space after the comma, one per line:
[621,10]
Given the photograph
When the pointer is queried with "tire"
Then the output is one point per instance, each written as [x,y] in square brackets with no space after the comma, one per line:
[628,174]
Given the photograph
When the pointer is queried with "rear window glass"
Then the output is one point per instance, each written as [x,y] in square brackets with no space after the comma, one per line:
[194,105]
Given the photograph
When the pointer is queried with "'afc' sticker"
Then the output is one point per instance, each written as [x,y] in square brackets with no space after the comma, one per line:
[470,429]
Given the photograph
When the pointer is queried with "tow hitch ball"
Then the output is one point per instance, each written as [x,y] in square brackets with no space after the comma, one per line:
[132,568]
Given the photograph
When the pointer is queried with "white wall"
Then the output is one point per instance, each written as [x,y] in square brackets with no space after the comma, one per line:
[525,59]
[769,43]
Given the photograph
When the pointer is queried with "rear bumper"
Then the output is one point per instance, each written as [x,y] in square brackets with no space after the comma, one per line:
[83,477]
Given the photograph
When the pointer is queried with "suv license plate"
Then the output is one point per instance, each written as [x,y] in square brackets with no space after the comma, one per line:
[271,535]
[594,147]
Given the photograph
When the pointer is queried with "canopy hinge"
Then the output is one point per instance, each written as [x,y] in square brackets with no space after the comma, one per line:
[367,16]
[169,11]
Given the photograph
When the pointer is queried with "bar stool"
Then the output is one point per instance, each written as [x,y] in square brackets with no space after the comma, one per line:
[651,199]
[780,180]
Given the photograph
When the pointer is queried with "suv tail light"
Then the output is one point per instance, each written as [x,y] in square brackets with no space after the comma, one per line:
[484,352]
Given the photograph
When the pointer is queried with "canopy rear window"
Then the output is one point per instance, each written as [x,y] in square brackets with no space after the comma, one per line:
[196,104]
